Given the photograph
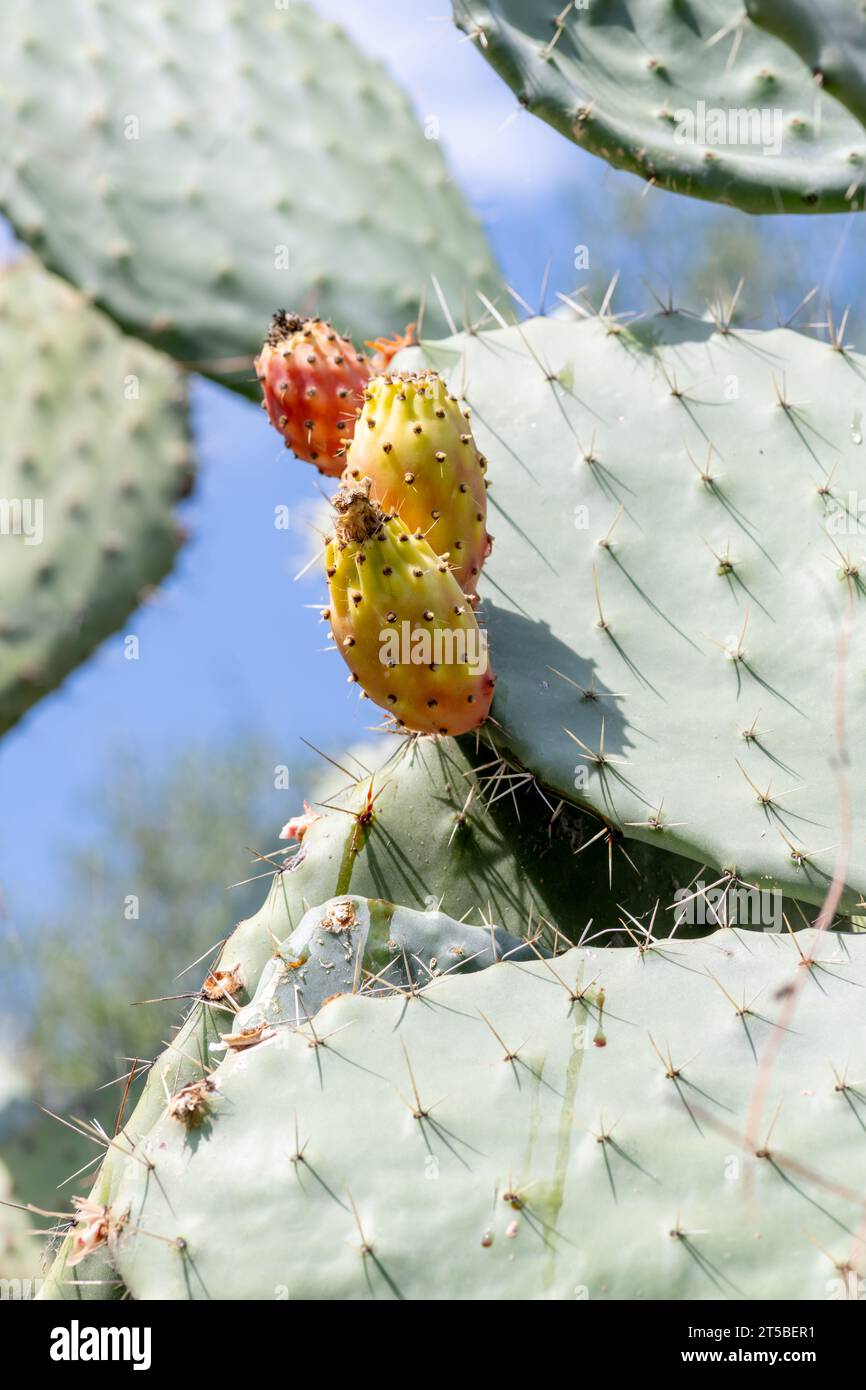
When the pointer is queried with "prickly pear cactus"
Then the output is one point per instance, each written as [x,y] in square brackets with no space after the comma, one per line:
[830,37]
[224,159]
[443,827]
[414,441]
[94,452]
[673,1123]
[312,381]
[401,622]
[357,944]
[673,602]
[762,107]
[446,828]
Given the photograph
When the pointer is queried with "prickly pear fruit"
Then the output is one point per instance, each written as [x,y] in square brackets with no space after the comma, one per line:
[415,442]
[401,621]
[313,382]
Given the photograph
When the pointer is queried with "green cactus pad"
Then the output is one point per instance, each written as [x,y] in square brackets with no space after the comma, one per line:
[447,834]
[677,529]
[533,1138]
[364,944]
[830,37]
[94,452]
[194,166]
[677,93]
[452,830]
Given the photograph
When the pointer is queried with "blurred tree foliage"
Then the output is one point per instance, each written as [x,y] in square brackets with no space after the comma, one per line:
[148,897]
[662,245]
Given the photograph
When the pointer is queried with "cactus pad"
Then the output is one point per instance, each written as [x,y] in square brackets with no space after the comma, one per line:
[616,1125]
[93,453]
[225,159]
[444,828]
[367,945]
[673,639]
[762,107]
[830,37]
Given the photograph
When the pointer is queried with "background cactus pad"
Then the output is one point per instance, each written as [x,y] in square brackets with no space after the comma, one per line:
[762,106]
[94,453]
[195,166]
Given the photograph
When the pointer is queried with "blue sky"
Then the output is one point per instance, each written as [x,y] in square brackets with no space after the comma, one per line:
[228,646]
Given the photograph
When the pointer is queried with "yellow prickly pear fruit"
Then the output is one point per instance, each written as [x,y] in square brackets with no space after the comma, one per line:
[414,441]
[401,621]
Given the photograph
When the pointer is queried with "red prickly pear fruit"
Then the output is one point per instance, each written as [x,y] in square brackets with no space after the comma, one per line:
[401,622]
[313,383]
[414,440]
